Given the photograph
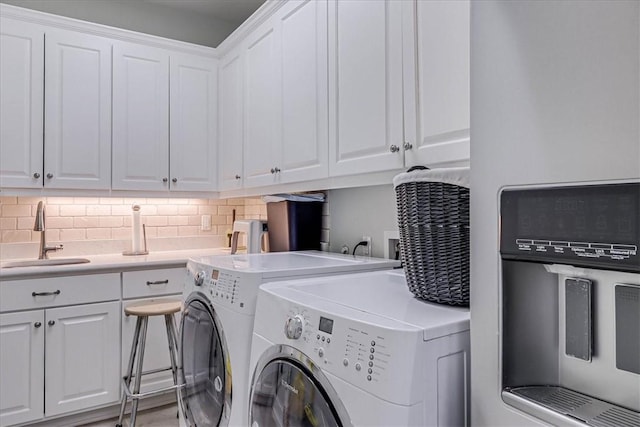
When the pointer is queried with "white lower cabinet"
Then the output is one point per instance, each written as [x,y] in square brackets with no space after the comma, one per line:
[21,367]
[62,353]
[82,363]
[79,363]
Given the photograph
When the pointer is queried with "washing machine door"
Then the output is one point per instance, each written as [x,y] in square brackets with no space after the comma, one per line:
[288,389]
[205,398]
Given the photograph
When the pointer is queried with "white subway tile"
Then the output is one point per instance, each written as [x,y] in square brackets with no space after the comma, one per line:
[73,210]
[167,210]
[16,236]
[98,210]
[98,233]
[15,210]
[8,223]
[70,234]
[110,221]
[167,231]
[25,223]
[177,220]
[188,230]
[86,222]
[60,222]
[187,210]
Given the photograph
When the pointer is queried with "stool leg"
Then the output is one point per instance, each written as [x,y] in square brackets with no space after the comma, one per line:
[171,337]
[136,387]
[132,356]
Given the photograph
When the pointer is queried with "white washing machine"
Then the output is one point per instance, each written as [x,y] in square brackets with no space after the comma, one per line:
[217,325]
[357,350]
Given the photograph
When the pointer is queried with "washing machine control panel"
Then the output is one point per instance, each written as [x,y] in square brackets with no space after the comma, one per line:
[360,352]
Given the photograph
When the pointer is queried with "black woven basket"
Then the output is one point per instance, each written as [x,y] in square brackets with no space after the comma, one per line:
[433,220]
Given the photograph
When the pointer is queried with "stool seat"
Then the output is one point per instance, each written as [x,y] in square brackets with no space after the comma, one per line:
[153,307]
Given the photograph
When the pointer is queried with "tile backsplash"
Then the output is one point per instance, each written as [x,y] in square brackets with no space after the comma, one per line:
[94,225]
[87,218]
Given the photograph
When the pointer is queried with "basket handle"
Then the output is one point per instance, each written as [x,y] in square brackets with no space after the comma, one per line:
[417,167]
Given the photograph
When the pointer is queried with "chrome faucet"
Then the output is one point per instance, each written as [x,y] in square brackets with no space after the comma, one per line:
[39,226]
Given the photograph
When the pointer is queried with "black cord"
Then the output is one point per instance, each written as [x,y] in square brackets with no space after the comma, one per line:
[362,243]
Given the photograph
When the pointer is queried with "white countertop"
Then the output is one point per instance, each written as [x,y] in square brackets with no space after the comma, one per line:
[110,262]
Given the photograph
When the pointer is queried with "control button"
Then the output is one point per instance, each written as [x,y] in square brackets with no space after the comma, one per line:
[358,367]
[373,343]
[368,377]
[320,352]
[345,361]
[370,370]
[373,350]
[328,340]
[371,357]
[322,339]
[370,363]
[318,336]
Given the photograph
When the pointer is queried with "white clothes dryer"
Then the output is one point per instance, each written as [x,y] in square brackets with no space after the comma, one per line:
[357,350]
[217,325]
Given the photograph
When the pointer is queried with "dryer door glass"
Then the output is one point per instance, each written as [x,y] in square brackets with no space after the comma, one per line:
[286,394]
[203,367]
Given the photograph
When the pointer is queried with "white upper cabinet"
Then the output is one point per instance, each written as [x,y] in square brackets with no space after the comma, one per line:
[164,120]
[437,83]
[285,96]
[365,86]
[140,118]
[21,97]
[231,121]
[261,106]
[193,123]
[77,111]
[302,31]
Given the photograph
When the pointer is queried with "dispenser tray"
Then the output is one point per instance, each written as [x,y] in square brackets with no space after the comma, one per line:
[589,410]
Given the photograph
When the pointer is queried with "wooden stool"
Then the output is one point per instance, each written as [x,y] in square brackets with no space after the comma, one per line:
[143,310]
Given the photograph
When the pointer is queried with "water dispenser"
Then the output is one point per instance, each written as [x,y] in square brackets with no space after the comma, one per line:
[570,298]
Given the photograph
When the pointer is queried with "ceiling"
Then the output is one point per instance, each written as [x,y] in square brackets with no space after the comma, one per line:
[233,11]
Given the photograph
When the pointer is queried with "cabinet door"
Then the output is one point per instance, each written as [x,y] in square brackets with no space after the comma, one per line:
[82,357]
[193,118]
[21,367]
[231,121]
[156,350]
[77,149]
[365,86]
[261,106]
[140,118]
[437,103]
[21,100]
[302,31]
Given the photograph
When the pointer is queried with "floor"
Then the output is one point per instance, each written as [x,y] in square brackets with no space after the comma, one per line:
[164,416]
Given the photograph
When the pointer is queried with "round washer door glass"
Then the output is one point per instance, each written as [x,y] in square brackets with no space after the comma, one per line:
[285,394]
[203,366]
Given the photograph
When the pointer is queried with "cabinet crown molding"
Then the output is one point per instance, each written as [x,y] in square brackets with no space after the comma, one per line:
[62,22]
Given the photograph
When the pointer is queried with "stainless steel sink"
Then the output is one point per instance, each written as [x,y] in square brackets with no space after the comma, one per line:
[45,262]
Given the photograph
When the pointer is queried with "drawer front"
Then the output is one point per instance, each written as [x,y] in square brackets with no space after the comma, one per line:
[148,283]
[57,291]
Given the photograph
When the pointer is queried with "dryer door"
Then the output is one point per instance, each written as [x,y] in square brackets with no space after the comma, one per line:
[289,390]
[206,373]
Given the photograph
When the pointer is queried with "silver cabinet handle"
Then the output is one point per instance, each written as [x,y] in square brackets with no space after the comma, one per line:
[237,176]
[51,322]
[165,179]
[394,148]
[36,175]
[158,282]
[273,170]
[49,175]
[174,180]
[37,324]
[45,294]
[408,146]
[277,169]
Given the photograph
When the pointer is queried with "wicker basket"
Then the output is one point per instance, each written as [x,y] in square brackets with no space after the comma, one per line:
[433,220]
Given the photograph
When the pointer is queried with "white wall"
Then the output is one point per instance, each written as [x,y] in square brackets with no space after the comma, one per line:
[355,212]
[555,97]
[145,18]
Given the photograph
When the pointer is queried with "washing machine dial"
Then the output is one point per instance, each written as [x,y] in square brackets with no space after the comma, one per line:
[198,280]
[293,327]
